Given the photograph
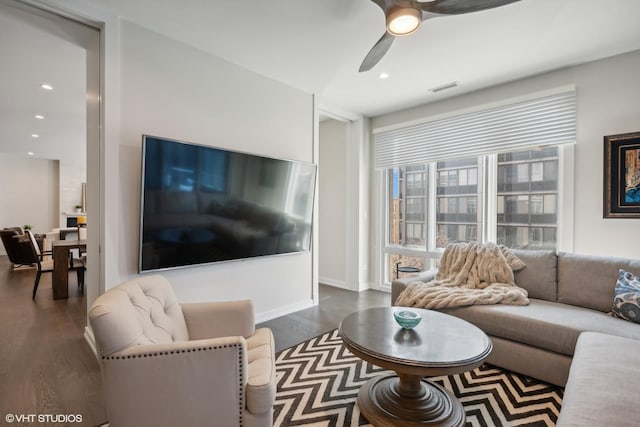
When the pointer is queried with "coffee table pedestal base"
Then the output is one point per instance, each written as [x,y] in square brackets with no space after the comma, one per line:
[407,400]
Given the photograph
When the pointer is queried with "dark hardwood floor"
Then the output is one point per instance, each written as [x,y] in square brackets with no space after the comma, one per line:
[335,304]
[46,367]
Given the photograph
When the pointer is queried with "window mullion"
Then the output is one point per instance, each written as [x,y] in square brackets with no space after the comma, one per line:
[431,207]
[490,215]
[383,214]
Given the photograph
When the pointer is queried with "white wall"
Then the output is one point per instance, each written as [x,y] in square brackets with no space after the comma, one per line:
[73,172]
[332,204]
[608,103]
[29,193]
[38,191]
[169,89]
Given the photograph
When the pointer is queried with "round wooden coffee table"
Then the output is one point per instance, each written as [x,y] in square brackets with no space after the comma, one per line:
[439,345]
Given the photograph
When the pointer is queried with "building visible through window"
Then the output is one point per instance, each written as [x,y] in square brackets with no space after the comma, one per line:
[527,202]
[457,201]
[407,215]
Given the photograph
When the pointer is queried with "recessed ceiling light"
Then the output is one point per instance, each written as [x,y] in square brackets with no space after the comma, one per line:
[46,86]
[383,76]
[31,153]
[39,116]
[35,135]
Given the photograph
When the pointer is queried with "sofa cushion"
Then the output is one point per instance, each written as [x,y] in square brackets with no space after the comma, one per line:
[626,304]
[544,324]
[603,383]
[588,280]
[538,276]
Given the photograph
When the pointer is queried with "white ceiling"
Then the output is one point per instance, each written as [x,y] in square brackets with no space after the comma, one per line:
[318,45]
[34,51]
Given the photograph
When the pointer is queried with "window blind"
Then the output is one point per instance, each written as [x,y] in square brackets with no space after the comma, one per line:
[548,120]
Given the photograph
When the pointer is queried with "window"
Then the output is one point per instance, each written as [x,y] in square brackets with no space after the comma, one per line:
[415,234]
[457,199]
[406,207]
[467,192]
[527,203]
[520,189]
[395,260]
[415,181]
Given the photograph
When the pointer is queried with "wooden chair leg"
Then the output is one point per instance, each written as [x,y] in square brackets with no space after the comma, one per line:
[37,282]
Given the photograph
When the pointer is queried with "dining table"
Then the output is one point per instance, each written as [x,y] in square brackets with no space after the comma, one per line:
[60,251]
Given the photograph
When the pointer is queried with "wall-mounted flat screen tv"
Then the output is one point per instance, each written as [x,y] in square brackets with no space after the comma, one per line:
[202,204]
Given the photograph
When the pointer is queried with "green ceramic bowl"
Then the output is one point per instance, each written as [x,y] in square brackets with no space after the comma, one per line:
[407,319]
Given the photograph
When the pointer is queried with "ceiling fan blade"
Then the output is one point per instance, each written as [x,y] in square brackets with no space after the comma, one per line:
[458,7]
[377,52]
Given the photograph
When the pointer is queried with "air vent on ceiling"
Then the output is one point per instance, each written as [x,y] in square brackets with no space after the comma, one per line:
[443,87]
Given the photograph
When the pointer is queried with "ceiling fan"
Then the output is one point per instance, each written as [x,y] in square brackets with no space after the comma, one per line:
[405,16]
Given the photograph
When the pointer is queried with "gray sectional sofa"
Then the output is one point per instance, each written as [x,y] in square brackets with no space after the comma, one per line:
[565,336]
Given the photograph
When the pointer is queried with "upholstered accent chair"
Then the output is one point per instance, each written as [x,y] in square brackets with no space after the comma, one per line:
[16,243]
[166,363]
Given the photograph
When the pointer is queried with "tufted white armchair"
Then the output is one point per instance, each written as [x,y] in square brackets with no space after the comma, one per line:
[191,364]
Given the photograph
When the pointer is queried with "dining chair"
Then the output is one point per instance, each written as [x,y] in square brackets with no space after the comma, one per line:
[43,265]
[47,265]
[77,257]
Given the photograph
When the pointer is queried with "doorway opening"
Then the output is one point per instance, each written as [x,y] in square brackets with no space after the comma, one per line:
[52,62]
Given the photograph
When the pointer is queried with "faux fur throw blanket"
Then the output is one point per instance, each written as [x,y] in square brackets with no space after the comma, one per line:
[469,273]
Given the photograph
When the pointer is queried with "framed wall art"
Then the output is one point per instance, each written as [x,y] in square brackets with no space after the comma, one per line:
[622,176]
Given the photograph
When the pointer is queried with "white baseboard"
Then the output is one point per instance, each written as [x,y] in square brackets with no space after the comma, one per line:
[90,339]
[375,287]
[333,282]
[283,311]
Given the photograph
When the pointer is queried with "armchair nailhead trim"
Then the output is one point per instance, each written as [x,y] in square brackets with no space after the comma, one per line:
[165,353]
[189,350]
[241,389]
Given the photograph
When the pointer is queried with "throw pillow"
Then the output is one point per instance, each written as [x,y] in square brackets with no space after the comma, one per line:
[626,304]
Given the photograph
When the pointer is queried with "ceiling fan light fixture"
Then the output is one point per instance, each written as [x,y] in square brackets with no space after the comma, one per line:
[403,21]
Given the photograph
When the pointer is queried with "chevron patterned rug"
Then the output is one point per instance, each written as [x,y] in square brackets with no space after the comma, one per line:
[319,379]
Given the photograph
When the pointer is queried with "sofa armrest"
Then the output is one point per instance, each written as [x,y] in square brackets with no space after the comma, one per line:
[180,383]
[219,319]
[261,383]
[399,285]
